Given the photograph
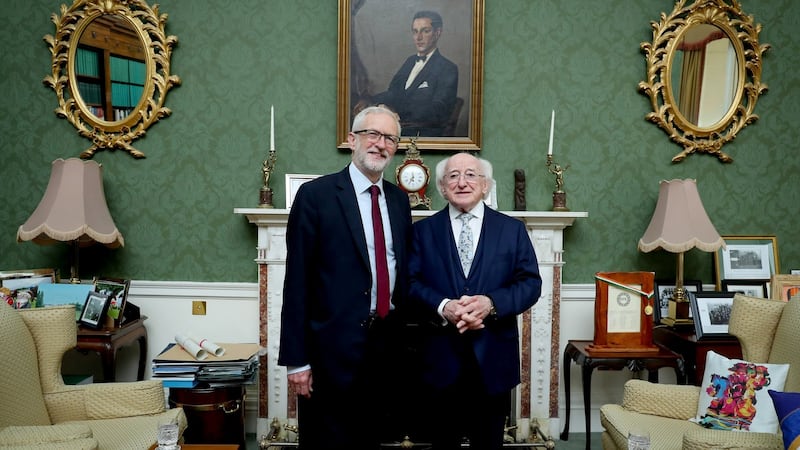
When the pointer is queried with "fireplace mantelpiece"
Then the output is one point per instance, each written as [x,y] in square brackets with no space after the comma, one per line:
[536,398]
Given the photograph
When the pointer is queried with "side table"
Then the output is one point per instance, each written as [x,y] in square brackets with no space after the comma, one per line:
[635,361]
[107,341]
[693,350]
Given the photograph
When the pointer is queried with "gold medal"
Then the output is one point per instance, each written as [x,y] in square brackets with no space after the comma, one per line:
[648,310]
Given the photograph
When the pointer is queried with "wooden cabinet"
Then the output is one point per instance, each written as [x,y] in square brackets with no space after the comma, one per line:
[683,341]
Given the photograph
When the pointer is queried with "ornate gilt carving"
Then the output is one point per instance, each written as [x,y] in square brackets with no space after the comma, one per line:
[745,75]
[148,24]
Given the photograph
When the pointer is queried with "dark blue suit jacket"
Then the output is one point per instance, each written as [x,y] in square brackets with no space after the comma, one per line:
[504,268]
[427,104]
[326,294]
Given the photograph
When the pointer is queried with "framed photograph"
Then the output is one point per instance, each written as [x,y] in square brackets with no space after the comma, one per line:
[712,312]
[117,291]
[746,258]
[94,310]
[664,290]
[751,288]
[784,287]
[377,54]
[293,183]
[20,288]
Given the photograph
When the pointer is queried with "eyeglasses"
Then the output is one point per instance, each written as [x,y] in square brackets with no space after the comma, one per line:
[374,136]
[469,176]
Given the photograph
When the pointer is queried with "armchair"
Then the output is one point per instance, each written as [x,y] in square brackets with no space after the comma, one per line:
[767,331]
[40,412]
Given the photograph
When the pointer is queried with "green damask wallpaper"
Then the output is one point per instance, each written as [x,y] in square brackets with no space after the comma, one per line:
[175,208]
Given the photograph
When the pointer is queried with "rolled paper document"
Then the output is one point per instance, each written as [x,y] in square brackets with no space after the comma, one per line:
[207,345]
[192,347]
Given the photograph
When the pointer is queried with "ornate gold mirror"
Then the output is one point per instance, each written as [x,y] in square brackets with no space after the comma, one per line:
[703,74]
[111,70]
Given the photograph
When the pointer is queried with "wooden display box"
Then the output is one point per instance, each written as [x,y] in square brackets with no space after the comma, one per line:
[623,313]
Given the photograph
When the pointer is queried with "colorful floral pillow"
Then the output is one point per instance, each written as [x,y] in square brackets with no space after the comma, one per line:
[787,405]
[734,394]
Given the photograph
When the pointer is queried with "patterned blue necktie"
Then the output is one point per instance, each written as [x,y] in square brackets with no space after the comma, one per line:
[465,242]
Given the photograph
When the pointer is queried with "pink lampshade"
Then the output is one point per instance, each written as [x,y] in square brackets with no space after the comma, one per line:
[73,208]
[680,222]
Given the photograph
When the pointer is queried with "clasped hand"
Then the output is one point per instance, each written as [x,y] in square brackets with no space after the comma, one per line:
[468,312]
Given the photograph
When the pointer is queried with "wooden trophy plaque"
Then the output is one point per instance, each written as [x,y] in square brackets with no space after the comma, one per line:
[623,313]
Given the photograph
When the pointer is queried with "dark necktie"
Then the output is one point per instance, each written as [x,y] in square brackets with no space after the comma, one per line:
[381,267]
[422,58]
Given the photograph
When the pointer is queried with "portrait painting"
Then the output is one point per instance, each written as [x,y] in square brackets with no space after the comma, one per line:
[422,59]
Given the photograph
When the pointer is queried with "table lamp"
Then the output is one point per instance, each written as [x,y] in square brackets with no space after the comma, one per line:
[679,224]
[73,210]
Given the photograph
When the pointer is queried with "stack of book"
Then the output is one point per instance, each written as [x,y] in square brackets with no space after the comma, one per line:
[177,368]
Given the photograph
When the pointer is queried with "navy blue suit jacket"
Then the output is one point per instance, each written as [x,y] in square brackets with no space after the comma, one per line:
[326,294]
[428,102]
[504,268]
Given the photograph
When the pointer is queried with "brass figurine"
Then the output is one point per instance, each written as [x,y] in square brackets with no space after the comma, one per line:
[559,195]
[265,197]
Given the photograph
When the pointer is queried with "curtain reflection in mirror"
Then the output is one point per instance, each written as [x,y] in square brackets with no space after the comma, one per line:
[708,75]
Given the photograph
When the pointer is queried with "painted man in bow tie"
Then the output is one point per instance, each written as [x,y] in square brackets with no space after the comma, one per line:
[472,271]
[423,91]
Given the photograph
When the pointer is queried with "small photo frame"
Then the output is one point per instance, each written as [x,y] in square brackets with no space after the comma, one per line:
[750,288]
[293,183]
[20,288]
[94,310]
[712,313]
[746,258]
[664,290]
[117,291]
[784,287]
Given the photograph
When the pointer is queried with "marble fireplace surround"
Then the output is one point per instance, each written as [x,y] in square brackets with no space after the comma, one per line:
[536,398]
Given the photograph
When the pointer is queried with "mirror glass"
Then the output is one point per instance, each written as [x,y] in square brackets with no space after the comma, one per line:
[110,67]
[703,75]
[111,70]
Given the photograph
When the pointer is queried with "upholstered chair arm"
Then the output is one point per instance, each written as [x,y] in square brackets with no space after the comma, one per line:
[113,400]
[705,439]
[63,436]
[106,401]
[665,400]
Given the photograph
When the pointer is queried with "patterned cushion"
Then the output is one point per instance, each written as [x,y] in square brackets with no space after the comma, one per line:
[787,405]
[735,394]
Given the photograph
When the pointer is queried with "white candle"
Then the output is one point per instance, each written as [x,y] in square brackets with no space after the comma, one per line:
[552,124]
[272,128]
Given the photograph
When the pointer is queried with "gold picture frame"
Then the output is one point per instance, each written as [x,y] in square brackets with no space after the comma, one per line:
[368,60]
[784,286]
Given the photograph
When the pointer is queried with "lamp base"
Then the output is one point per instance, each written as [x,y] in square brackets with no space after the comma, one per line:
[670,322]
[677,314]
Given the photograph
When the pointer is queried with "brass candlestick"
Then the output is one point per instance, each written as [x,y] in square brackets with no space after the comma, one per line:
[559,195]
[265,194]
